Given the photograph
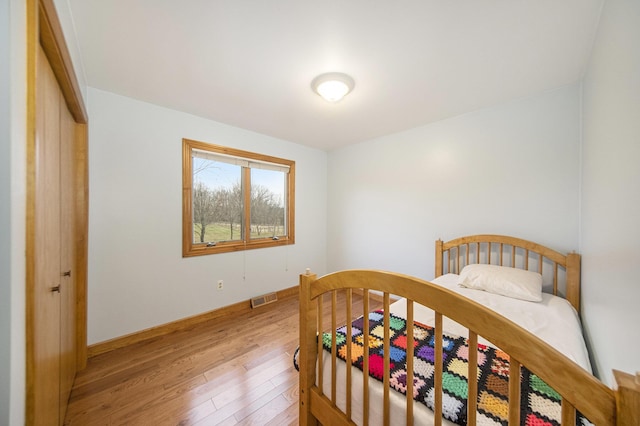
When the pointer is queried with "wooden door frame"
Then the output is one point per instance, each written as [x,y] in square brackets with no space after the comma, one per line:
[43,27]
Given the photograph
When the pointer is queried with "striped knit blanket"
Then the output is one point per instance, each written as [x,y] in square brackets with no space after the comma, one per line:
[540,405]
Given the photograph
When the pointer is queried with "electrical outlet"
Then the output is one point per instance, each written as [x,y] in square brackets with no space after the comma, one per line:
[220,284]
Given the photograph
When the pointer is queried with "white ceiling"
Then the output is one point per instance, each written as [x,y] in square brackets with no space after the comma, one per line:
[249,63]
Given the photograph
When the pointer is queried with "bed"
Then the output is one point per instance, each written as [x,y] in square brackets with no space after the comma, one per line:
[531,363]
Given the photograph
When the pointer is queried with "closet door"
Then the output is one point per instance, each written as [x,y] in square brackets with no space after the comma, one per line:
[54,326]
[45,379]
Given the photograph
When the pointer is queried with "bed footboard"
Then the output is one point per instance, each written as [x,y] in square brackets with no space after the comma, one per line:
[580,391]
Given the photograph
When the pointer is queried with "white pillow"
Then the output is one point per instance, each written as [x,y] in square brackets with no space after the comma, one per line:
[503,280]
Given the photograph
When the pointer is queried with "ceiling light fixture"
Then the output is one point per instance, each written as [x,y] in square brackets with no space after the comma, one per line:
[332,86]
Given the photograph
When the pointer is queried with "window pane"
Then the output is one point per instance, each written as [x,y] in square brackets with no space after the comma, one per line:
[235,200]
[268,203]
[217,201]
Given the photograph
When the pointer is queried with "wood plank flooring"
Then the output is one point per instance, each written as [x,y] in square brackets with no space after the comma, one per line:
[224,372]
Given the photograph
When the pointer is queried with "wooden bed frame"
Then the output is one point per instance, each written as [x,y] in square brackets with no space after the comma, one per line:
[580,390]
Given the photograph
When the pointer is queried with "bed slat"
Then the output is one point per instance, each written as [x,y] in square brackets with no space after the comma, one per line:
[457,261]
[349,358]
[472,399]
[467,254]
[319,343]
[514,392]
[568,414]
[540,259]
[334,352]
[365,359]
[438,370]
[387,356]
[477,255]
[410,353]
[489,254]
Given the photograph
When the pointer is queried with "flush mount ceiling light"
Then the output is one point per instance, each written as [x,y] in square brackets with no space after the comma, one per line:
[332,86]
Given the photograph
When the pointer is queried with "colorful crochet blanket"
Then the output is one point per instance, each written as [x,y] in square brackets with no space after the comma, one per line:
[540,404]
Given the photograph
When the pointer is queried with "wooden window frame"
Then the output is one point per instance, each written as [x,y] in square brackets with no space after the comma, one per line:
[189,248]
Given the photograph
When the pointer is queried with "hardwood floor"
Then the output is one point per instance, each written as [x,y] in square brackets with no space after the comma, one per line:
[225,372]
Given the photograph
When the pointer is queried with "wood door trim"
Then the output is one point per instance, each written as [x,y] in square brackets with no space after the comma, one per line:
[55,47]
[81,240]
[32,54]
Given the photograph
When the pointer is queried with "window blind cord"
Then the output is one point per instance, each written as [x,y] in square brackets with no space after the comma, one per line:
[244,260]
[286,256]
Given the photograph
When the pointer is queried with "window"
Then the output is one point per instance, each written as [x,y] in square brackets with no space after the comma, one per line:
[234,200]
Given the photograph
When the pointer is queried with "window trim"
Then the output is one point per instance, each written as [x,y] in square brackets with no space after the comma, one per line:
[189,248]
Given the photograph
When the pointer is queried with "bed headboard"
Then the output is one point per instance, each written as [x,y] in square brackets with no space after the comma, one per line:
[561,273]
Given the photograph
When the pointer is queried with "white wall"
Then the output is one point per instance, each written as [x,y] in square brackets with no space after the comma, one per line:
[137,276]
[5,216]
[13,200]
[610,230]
[511,169]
